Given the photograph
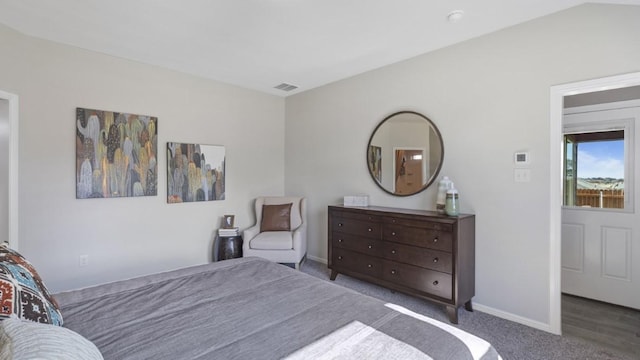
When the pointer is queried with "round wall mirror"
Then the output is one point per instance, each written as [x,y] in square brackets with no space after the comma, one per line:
[405,153]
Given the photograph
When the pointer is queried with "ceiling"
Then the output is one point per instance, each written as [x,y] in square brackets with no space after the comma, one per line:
[259,44]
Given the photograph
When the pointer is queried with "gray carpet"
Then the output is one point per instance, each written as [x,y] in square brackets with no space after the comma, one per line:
[512,340]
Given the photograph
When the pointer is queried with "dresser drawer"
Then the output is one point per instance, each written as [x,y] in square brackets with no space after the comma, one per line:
[357,216]
[356,243]
[432,239]
[342,259]
[422,257]
[356,227]
[429,281]
[432,225]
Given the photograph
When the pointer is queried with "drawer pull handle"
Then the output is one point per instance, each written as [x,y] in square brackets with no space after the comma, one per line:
[339,240]
[339,257]
[370,246]
[393,251]
[435,240]
[435,283]
[393,272]
[369,265]
[435,260]
[370,229]
[393,233]
[339,224]
[393,221]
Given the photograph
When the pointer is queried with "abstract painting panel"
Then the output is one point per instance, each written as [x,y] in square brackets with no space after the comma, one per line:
[375,162]
[115,154]
[195,172]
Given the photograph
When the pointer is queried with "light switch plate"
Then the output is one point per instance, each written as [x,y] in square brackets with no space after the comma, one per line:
[522,175]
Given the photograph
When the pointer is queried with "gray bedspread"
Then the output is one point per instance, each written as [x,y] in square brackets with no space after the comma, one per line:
[250,308]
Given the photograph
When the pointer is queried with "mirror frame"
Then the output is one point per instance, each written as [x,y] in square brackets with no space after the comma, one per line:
[438,168]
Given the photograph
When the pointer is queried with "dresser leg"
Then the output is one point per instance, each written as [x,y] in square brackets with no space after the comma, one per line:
[468,306]
[333,274]
[452,312]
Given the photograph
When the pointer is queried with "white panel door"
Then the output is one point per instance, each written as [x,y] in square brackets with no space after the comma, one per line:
[598,259]
[601,247]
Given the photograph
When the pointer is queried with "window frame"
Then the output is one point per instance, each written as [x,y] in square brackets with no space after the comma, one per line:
[573,125]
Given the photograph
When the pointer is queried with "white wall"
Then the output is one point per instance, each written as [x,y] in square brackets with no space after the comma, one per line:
[490,98]
[4,170]
[125,237]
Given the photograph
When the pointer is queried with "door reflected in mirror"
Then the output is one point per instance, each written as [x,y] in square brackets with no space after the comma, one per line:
[409,168]
[405,153]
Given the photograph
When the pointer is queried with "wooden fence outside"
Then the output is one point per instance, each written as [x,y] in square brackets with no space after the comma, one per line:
[610,199]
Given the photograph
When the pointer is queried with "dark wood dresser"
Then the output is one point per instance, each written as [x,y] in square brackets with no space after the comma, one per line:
[416,252]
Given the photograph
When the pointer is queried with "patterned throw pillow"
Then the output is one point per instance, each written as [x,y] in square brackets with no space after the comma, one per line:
[22,292]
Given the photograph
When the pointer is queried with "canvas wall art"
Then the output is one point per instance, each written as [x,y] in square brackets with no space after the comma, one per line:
[115,154]
[195,172]
[374,158]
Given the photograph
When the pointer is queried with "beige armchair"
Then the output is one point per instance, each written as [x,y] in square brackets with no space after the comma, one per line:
[280,232]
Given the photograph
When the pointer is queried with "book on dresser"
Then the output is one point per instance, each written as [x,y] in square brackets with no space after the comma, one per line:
[421,253]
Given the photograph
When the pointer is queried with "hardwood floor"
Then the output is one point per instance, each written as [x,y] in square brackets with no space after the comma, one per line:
[606,324]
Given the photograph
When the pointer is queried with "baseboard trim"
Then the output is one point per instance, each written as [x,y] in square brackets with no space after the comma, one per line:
[512,317]
[314,258]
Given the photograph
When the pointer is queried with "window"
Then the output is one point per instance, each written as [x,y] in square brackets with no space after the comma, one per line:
[594,166]
[597,165]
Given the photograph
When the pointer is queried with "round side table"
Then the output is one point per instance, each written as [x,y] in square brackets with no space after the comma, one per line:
[227,247]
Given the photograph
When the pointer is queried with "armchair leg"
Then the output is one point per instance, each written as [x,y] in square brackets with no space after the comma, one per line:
[299,264]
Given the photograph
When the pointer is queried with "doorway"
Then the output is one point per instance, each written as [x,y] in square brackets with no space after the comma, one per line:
[9,169]
[558,94]
[600,255]
[410,170]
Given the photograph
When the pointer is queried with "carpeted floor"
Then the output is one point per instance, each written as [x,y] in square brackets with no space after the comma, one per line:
[512,340]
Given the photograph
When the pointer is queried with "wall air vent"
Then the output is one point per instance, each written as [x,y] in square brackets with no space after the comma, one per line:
[285,87]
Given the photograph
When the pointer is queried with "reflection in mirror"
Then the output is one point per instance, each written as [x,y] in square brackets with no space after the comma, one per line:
[405,153]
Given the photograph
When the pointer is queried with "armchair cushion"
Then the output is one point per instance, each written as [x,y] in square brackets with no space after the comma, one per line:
[276,217]
[272,240]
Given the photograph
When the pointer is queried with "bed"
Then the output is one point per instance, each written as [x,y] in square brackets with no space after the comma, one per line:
[250,308]
[246,308]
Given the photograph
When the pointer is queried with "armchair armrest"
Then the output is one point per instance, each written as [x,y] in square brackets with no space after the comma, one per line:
[300,238]
[249,234]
